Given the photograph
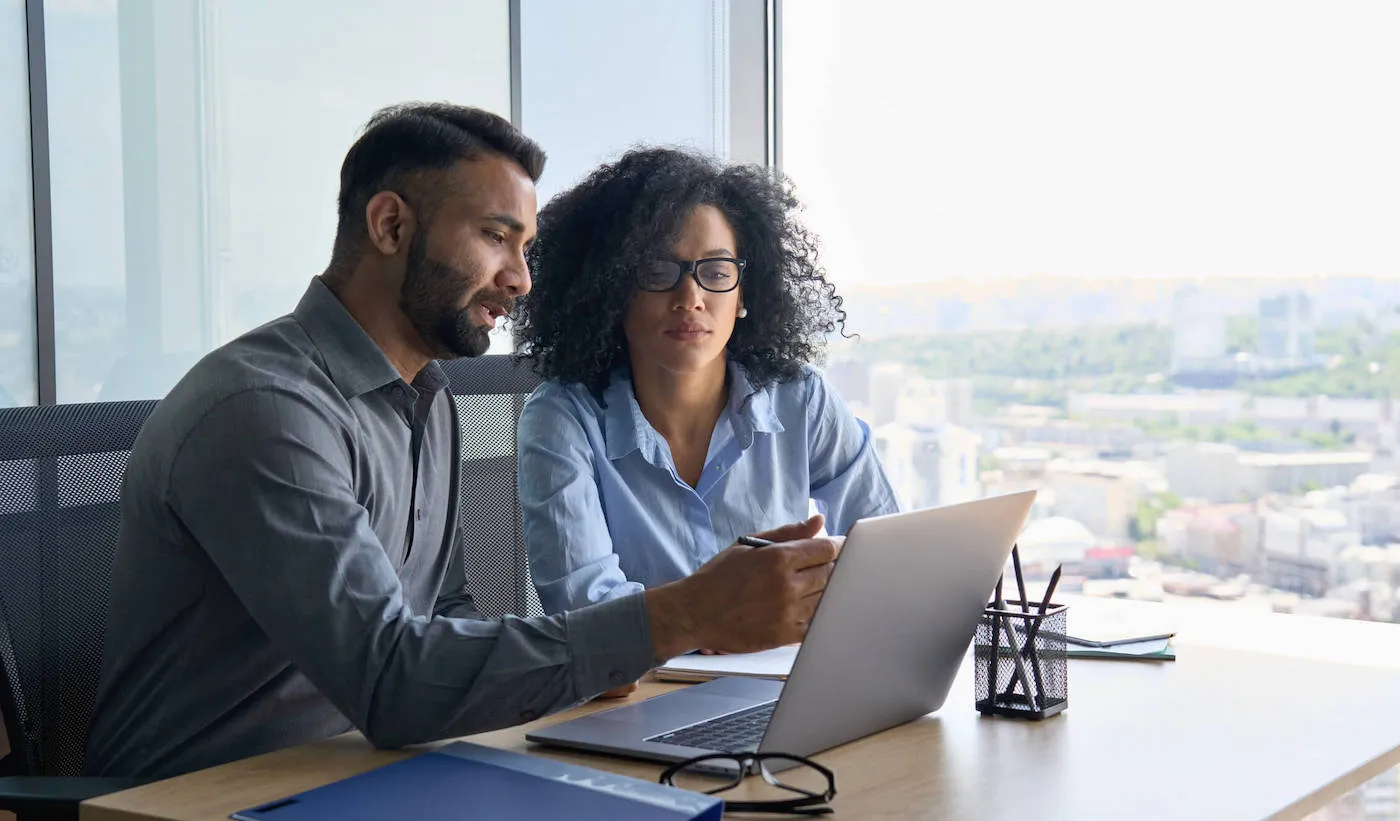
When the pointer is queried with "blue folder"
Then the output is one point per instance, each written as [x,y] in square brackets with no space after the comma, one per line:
[469,781]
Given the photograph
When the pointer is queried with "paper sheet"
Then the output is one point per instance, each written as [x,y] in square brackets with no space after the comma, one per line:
[775,663]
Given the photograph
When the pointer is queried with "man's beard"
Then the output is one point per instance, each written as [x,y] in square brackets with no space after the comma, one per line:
[429,298]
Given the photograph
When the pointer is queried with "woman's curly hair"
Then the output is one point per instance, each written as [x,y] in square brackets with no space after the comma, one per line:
[593,238]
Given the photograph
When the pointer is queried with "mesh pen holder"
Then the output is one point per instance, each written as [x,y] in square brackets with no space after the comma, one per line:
[1032,683]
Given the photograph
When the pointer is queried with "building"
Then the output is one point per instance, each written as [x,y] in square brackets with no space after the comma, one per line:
[1302,547]
[1198,331]
[933,401]
[1372,505]
[885,384]
[1119,438]
[1107,562]
[930,465]
[1204,408]
[1101,495]
[851,379]
[1217,472]
[1207,471]
[1220,539]
[1262,473]
[1297,574]
[1375,573]
[1286,331]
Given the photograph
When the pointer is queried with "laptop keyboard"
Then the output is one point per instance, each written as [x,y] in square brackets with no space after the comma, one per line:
[734,733]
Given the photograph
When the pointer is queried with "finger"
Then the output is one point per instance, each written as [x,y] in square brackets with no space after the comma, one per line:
[618,692]
[812,581]
[809,552]
[793,532]
[806,609]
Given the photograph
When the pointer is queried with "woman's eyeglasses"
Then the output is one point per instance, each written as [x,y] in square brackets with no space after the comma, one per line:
[800,786]
[715,274]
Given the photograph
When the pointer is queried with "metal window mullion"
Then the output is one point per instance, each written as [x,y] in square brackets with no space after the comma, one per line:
[775,84]
[45,344]
[515,63]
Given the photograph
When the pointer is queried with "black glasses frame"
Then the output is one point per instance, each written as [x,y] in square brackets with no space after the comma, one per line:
[692,267]
[810,803]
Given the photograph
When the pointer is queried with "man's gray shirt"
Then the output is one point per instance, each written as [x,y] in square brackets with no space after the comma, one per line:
[289,568]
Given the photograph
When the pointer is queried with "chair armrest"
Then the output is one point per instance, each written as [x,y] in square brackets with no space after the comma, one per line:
[43,796]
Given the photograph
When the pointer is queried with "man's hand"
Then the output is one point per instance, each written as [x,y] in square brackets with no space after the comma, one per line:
[745,598]
[619,692]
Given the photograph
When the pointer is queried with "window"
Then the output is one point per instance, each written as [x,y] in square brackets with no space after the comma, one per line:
[673,55]
[195,152]
[18,356]
[1140,258]
[1143,257]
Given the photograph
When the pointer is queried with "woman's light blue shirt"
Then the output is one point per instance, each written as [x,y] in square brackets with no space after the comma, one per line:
[605,513]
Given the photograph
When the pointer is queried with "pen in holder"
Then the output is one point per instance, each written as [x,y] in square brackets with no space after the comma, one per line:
[1022,660]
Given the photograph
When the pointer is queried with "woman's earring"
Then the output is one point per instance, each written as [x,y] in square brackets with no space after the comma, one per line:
[743,312]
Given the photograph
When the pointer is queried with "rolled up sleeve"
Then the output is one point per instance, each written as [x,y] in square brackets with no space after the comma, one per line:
[848,483]
[264,484]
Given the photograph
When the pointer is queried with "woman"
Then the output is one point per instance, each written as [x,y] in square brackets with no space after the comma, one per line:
[676,305]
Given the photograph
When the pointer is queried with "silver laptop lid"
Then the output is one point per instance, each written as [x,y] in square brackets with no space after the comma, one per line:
[895,621]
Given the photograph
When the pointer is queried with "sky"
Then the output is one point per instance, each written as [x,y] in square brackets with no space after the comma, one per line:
[1101,139]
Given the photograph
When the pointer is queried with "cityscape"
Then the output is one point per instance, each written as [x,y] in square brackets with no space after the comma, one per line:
[1216,445]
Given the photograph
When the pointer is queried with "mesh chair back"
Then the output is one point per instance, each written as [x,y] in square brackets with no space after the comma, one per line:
[489,392]
[60,476]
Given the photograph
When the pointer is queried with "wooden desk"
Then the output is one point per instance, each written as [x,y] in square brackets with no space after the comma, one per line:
[1220,733]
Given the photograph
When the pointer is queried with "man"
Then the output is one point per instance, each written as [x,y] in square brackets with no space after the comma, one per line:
[288,566]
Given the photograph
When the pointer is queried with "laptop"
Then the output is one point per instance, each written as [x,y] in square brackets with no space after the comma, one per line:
[884,646]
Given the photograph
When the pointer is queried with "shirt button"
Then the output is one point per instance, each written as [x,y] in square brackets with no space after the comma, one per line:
[528,715]
[617,678]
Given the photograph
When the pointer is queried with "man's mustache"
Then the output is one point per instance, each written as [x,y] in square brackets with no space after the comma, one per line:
[503,301]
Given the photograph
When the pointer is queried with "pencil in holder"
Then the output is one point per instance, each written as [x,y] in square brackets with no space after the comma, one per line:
[1022,661]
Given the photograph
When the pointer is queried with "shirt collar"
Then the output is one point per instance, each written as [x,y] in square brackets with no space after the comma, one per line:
[625,426]
[355,363]
[750,410]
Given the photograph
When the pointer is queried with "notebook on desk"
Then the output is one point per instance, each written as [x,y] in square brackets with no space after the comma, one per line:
[1107,623]
[693,667]
[1151,650]
[777,664]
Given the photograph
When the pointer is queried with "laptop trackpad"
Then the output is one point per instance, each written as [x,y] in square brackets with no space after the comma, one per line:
[694,704]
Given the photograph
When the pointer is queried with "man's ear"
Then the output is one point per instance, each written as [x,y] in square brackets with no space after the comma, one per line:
[389,222]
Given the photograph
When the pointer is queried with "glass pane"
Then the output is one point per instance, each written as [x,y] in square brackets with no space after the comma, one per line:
[1164,292]
[18,385]
[656,73]
[196,153]
[1163,289]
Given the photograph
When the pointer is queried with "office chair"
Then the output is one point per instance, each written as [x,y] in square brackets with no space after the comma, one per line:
[489,392]
[60,476]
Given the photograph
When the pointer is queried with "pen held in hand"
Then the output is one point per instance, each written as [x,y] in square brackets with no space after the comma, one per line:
[753,541]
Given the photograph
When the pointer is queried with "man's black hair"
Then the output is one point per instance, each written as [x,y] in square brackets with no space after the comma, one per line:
[402,142]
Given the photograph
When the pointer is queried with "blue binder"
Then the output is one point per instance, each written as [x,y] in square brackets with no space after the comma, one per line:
[469,781]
